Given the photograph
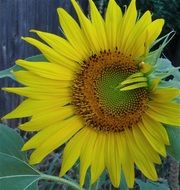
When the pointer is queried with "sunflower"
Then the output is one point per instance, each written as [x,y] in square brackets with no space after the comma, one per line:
[95,94]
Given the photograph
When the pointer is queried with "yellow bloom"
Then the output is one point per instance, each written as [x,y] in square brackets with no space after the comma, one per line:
[95,94]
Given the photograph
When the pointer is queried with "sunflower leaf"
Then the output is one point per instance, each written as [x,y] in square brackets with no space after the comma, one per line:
[11,143]
[169,75]
[36,58]
[15,173]
[151,185]
[174,137]
[8,72]
[164,68]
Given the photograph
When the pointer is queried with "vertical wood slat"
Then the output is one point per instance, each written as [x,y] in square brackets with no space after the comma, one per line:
[17,17]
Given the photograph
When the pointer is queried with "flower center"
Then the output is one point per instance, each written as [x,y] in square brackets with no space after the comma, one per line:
[97,99]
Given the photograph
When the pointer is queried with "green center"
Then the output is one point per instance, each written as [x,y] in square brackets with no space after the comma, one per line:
[111,98]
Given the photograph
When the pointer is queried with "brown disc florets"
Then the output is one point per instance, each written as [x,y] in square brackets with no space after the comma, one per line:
[96,98]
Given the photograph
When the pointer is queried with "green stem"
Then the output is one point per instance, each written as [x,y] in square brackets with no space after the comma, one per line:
[61,180]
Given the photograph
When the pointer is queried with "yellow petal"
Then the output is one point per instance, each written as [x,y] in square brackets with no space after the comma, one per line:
[128,23]
[141,160]
[136,32]
[156,129]
[153,31]
[88,29]
[99,25]
[142,142]
[97,163]
[73,33]
[47,70]
[155,143]
[165,94]
[72,150]
[39,93]
[146,39]
[168,109]
[86,154]
[29,107]
[112,159]
[54,141]
[46,117]
[61,46]
[30,79]
[112,23]
[127,164]
[163,118]
[52,55]
[44,134]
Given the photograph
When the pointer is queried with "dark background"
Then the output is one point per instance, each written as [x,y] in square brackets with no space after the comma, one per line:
[17,17]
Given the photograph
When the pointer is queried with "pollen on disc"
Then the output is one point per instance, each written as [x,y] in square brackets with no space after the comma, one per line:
[96,98]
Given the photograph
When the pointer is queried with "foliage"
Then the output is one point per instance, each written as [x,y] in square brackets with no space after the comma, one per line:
[151,185]
[15,173]
[174,137]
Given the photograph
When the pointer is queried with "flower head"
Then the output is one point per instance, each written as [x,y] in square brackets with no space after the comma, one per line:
[95,93]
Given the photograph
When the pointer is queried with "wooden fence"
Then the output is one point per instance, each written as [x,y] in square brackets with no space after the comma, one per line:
[17,17]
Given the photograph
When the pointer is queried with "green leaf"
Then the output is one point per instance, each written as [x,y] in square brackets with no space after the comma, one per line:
[15,173]
[8,72]
[11,143]
[151,185]
[37,58]
[163,69]
[174,137]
